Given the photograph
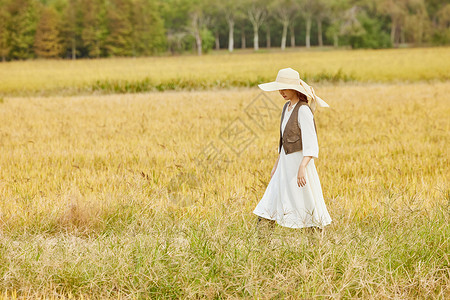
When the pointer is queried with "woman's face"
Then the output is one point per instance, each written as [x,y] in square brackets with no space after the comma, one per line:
[288,94]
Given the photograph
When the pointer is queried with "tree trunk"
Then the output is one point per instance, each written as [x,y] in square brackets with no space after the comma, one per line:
[74,49]
[283,35]
[243,40]
[319,32]
[230,35]
[402,35]
[255,38]
[217,40]
[420,33]
[97,49]
[435,21]
[335,40]
[397,36]
[268,37]
[196,30]
[308,32]
[198,42]
[393,32]
[292,36]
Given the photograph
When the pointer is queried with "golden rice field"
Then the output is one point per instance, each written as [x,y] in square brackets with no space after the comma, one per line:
[150,195]
[241,69]
[123,196]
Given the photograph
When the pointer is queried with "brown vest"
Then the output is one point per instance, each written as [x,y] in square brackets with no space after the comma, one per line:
[291,138]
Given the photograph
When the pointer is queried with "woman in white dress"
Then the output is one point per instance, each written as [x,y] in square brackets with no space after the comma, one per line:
[293,197]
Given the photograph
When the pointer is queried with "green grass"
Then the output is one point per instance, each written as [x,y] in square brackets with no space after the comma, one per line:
[146,84]
[168,254]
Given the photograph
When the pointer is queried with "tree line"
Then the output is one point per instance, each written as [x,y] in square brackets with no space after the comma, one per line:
[103,28]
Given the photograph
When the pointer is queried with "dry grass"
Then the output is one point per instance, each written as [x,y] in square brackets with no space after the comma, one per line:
[224,70]
[102,196]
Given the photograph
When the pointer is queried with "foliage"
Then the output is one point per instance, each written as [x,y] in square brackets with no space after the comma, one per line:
[102,28]
[47,42]
[442,36]
[21,28]
[207,40]
[370,36]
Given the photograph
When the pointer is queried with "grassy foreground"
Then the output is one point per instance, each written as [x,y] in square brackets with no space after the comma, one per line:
[114,196]
[240,69]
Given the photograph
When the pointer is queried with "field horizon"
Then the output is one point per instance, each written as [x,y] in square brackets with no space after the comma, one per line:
[221,70]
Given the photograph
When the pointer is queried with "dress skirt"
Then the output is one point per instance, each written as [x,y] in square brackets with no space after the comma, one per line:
[287,203]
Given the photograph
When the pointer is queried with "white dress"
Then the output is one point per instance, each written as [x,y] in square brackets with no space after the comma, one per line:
[284,201]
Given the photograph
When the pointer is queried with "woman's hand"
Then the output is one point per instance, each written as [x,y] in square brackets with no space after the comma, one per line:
[301,176]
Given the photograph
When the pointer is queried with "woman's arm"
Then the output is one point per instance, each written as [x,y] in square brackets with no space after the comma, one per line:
[309,142]
[305,161]
[301,175]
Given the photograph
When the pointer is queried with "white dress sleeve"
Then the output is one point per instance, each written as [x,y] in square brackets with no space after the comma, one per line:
[309,137]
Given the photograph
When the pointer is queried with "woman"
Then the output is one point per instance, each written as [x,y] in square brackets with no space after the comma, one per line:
[293,197]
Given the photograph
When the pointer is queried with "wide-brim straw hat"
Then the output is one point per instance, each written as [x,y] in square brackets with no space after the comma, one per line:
[288,78]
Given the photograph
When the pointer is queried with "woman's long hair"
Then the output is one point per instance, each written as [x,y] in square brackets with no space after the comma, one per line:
[302,97]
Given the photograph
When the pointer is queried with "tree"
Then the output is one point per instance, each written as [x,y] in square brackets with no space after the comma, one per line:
[409,20]
[292,32]
[307,11]
[285,11]
[47,43]
[148,33]
[174,15]
[230,17]
[243,38]
[257,13]
[208,40]
[321,11]
[336,12]
[417,25]
[21,28]
[232,10]
[118,41]
[4,33]
[434,7]
[216,13]
[360,30]
[396,9]
[442,27]
[98,28]
[268,25]
[198,20]
[351,26]
[72,27]
[94,30]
